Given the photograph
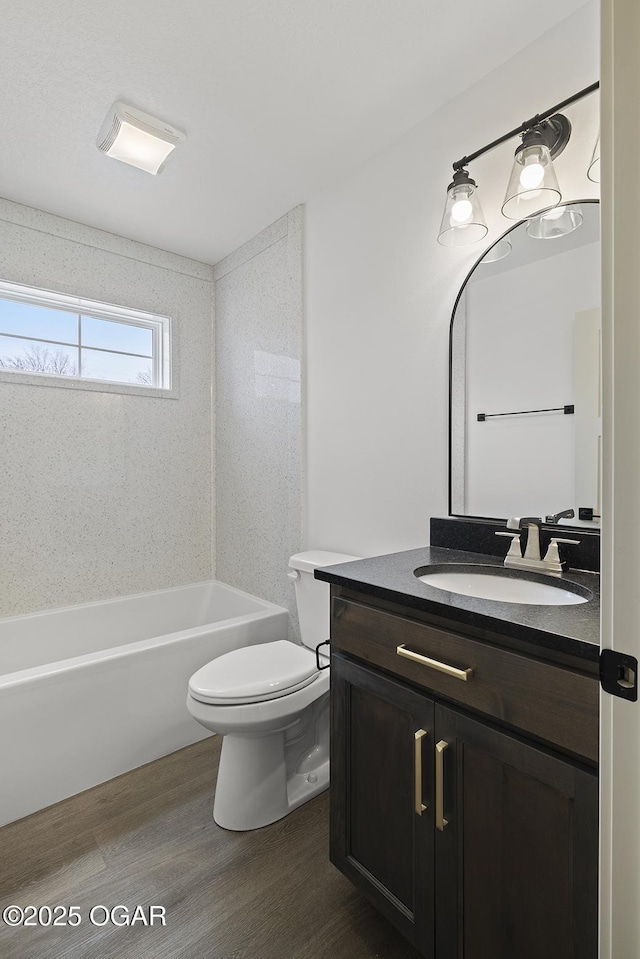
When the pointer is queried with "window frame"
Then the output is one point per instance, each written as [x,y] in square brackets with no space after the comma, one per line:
[159,324]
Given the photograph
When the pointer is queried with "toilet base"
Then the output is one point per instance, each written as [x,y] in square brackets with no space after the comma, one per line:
[253,787]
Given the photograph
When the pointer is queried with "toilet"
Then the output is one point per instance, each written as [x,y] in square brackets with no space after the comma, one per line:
[270,702]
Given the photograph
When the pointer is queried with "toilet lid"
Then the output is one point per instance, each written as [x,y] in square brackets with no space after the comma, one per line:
[254,674]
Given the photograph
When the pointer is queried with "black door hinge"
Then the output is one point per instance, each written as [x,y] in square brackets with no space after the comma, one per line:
[619,674]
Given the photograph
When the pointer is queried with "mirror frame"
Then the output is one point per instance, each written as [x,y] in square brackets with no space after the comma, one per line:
[489,519]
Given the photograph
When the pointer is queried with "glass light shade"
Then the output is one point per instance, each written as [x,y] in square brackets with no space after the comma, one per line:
[140,149]
[593,172]
[463,221]
[497,252]
[554,223]
[533,185]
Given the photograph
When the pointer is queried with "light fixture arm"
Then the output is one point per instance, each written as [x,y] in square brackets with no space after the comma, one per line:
[527,125]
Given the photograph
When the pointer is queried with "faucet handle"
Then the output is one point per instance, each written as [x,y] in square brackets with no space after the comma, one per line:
[553,559]
[514,549]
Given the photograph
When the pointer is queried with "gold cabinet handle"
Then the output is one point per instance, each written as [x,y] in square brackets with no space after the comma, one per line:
[417,771]
[463,674]
[441,822]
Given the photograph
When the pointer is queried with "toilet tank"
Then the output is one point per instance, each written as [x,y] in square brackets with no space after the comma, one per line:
[312,595]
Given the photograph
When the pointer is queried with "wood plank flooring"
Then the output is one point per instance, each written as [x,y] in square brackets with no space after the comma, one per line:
[149,838]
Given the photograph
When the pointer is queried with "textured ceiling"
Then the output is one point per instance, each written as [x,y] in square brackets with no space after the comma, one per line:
[277,98]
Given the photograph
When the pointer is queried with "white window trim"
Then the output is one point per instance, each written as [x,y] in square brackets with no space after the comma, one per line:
[160,326]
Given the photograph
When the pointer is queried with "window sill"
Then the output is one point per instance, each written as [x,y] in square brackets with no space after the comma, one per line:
[92,386]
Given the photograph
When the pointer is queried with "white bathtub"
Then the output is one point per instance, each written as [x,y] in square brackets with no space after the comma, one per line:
[89,692]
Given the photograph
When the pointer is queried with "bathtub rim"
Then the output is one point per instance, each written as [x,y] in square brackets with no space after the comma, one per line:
[54,668]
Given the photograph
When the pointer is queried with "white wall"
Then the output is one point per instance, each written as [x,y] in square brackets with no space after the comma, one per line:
[258,292]
[520,349]
[104,494]
[380,291]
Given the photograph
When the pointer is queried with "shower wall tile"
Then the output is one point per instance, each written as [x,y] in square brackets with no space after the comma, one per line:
[258,357]
[105,494]
[89,236]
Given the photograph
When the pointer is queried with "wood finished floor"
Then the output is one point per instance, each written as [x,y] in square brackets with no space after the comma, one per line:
[148,838]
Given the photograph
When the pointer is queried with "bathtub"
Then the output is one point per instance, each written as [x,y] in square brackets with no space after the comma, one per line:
[91,691]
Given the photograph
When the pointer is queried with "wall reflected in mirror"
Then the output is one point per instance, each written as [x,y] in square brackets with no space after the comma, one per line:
[525,373]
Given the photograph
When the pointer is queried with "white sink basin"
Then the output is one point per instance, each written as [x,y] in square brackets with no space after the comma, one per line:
[500,587]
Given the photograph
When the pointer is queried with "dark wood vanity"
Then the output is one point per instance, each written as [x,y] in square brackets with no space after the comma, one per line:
[464,792]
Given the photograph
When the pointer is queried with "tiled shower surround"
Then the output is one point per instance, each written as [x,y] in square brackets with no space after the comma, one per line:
[258,429]
[104,494]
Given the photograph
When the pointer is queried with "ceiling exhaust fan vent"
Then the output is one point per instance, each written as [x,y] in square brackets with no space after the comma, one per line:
[110,138]
[137,138]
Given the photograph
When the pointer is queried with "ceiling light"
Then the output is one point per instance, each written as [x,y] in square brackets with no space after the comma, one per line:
[594,167]
[463,221]
[137,138]
[555,223]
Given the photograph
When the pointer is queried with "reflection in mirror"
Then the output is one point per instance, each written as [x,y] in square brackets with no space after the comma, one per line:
[525,373]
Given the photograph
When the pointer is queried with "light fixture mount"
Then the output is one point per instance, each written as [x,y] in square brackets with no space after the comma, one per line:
[461,178]
[555,132]
[552,114]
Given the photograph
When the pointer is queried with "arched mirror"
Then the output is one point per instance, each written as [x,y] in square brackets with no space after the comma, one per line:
[525,416]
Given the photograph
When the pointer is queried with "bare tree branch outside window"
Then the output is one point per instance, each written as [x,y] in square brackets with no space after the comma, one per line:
[39,359]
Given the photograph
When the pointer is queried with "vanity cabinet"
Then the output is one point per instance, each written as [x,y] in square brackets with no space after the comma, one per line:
[466,809]
[381,731]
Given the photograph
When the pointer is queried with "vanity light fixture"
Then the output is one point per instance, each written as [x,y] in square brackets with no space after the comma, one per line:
[463,221]
[555,223]
[137,138]
[533,185]
[594,167]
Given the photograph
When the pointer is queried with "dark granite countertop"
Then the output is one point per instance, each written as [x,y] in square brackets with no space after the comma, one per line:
[570,630]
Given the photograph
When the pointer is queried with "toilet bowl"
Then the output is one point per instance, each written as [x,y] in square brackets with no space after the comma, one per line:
[271,704]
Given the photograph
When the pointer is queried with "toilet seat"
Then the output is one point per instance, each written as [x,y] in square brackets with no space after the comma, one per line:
[254,674]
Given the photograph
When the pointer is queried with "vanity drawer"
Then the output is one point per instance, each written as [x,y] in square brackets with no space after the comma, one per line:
[551,702]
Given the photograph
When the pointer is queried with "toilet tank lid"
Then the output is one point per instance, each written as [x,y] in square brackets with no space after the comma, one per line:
[311,559]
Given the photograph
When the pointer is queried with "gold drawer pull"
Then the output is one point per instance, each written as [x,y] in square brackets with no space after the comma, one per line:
[441,822]
[417,771]
[463,674]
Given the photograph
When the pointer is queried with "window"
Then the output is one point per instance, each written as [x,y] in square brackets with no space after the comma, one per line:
[52,334]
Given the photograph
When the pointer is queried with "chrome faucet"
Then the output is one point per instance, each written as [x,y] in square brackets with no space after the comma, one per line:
[553,562]
[554,517]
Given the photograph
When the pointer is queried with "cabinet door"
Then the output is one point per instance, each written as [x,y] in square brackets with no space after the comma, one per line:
[517,861]
[381,778]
